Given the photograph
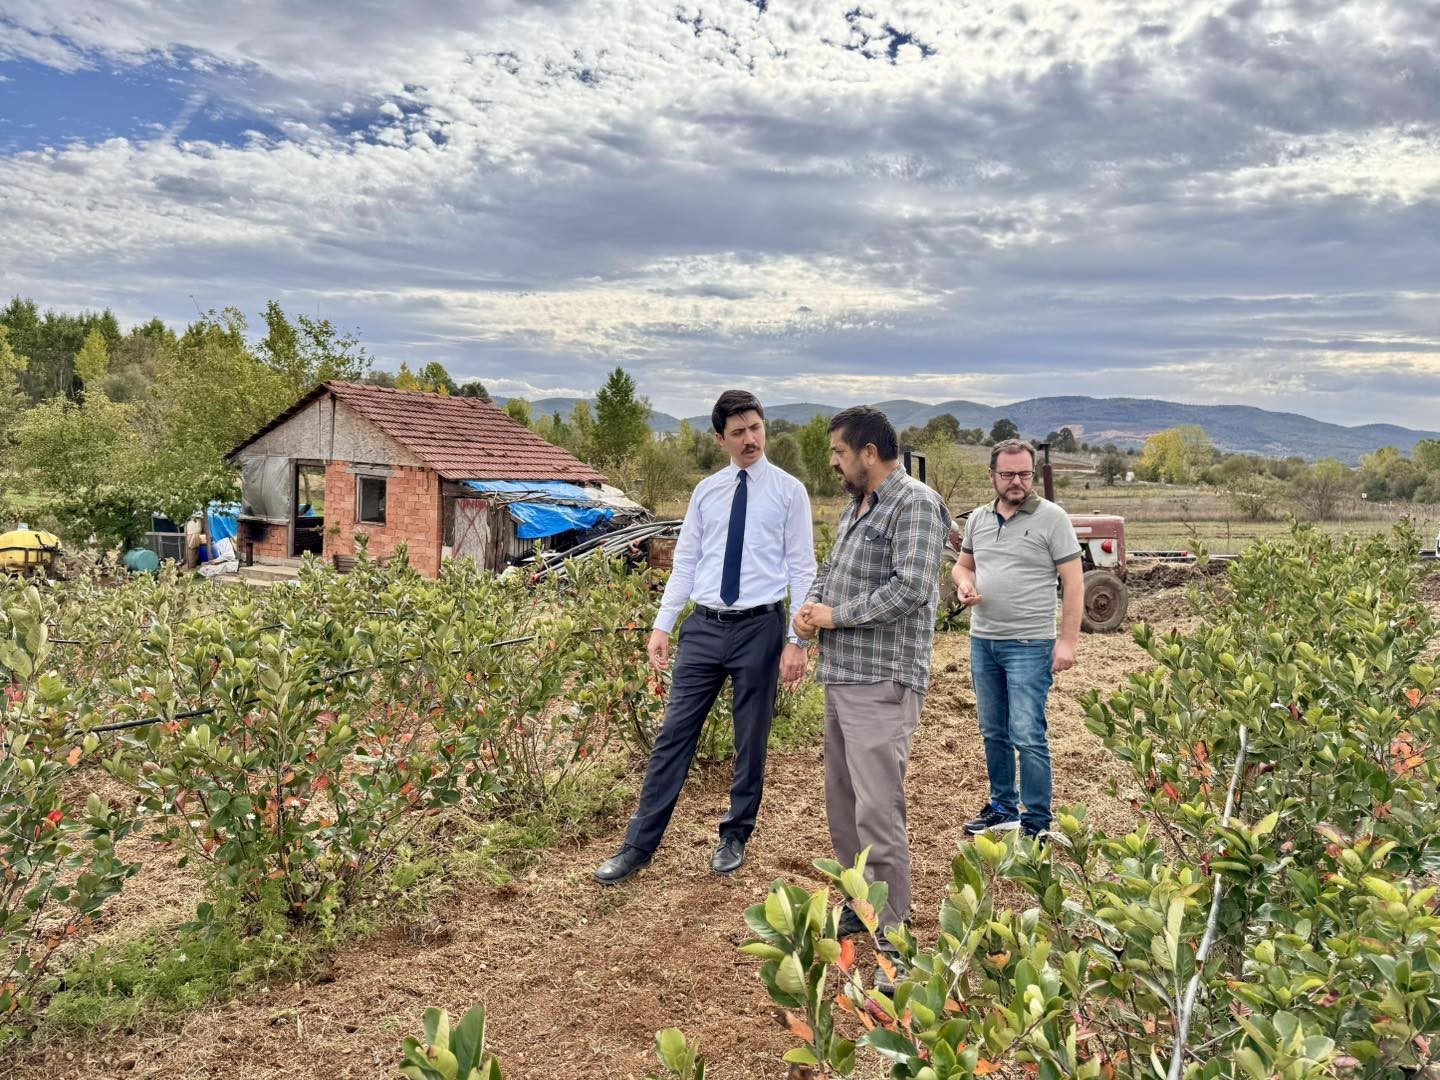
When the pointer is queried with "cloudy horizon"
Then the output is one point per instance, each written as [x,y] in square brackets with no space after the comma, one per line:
[1216,204]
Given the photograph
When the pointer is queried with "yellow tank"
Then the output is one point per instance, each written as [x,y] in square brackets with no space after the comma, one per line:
[25,550]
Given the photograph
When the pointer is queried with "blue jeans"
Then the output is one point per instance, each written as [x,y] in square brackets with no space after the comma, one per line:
[1012,680]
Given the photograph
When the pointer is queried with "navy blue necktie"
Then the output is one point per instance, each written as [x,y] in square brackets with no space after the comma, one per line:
[734,546]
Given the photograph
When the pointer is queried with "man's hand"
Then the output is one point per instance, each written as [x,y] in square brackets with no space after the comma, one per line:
[804,628]
[792,666]
[820,616]
[963,575]
[659,649]
[1063,658]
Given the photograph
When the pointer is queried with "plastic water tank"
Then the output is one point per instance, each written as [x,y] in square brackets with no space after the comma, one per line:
[140,561]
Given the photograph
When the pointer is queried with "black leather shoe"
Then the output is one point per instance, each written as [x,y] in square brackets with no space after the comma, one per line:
[728,856]
[622,865]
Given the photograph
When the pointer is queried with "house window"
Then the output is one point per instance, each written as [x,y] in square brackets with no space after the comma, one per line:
[370,500]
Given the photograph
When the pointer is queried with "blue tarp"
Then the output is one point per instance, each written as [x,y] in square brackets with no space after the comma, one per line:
[222,521]
[538,520]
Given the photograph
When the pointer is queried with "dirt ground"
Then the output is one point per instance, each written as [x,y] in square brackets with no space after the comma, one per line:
[578,978]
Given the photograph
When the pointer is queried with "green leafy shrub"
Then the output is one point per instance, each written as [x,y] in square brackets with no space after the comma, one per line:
[1280,921]
[58,860]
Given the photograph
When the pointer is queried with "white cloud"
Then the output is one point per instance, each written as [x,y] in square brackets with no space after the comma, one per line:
[1146,197]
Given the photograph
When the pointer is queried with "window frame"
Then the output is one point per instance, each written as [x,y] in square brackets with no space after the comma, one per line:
[360,482]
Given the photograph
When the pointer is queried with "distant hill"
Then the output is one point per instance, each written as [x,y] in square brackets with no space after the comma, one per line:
[1130,421]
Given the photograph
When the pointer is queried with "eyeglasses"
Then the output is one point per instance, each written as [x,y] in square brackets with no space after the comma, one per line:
[1016,475]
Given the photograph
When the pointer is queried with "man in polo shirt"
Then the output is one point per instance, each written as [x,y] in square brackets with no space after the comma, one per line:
[873,604]
[1012,552]
[746,542]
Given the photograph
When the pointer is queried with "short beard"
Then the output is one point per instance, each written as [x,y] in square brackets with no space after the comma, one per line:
[853,489]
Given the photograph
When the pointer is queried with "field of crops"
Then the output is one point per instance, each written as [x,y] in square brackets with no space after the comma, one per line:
[255,835]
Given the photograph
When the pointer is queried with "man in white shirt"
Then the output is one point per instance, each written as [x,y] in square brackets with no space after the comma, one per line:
[746,542]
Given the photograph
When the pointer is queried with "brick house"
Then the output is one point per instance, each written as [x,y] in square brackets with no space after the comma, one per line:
[398,466]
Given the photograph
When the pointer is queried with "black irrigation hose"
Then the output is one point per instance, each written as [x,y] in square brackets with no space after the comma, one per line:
[195,713]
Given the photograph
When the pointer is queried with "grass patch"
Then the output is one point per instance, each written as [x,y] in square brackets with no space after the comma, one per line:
[167,973]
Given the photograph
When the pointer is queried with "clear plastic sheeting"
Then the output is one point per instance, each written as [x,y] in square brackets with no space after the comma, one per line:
[267,492]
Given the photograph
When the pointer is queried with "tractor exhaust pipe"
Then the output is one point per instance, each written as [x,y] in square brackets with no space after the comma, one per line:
[1047,475]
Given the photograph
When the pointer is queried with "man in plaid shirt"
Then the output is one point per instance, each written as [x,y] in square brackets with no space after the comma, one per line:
[873,606]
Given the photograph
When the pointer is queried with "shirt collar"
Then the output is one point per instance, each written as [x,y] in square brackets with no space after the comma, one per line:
[888,485]
[752,472]
[1029,506]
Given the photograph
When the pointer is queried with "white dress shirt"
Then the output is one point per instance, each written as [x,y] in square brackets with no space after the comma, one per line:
[779,550]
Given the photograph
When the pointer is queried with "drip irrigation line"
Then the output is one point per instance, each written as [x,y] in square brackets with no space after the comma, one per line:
[193,714]
[1177,1060]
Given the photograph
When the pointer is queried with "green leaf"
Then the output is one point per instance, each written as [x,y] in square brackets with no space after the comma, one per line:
[467,1041]
[671,1048]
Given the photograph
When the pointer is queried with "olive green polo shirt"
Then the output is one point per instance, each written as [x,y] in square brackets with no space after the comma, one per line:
[1015,563]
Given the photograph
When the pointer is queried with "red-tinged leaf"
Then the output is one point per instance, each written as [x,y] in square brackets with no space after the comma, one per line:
[953,1006]
[998,959]
[73,758]
[847,955]
[1295,712]
[865,911]
[1414,697]
[984,1067]
[796,1025]
[886,966]
[1171,791]
[1201,752]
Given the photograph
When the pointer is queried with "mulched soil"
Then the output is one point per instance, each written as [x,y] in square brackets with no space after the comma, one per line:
[578,978]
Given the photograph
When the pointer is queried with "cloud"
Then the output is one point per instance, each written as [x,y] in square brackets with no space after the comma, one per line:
[1155,198]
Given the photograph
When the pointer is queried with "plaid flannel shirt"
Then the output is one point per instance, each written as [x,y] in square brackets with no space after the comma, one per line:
[882,582]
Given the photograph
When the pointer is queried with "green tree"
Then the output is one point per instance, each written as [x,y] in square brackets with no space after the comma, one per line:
[307,351]
[474,388]
[1321,488]
[1176,455]
[1063,441]
[814,440]
[436,379]
[84,460]
[1427,455]
[92,362]
[406,380]
[784,452]
[946,467]
[622,419]
[582,432]
[12,398]
[518,409]
[1003,429]
[1112,467]
[51,343]
[212,393]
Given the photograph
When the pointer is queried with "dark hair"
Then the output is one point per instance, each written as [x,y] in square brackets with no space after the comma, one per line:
[733,403]
[864,425]
[1011,446]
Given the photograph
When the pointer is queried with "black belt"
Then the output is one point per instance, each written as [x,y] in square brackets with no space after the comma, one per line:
[721,615]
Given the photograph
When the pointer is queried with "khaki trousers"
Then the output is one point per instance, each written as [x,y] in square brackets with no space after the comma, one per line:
[868,732]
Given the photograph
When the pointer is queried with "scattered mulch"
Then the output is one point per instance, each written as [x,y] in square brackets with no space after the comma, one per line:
[578,978]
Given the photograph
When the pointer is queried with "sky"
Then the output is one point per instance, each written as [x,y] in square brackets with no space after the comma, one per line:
[1230,203]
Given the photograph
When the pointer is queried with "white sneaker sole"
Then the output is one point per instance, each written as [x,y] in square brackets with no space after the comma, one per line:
[1004,826]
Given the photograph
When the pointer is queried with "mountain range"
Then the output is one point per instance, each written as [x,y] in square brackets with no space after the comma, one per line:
[1123,421]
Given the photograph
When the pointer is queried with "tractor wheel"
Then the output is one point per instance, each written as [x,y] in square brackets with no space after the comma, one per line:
[1106,601]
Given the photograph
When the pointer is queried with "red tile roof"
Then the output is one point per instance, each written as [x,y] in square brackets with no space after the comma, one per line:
[460,438]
